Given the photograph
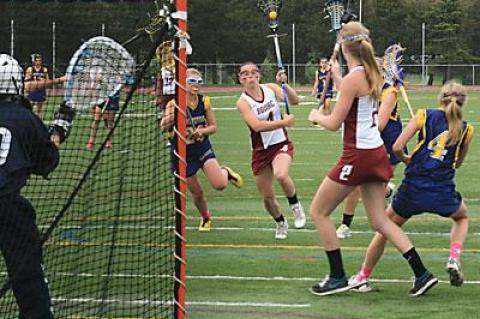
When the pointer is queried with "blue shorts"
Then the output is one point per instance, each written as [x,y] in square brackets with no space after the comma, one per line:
[328,94]
[197,155]
[112,106]
[390,133]
[37,96]
[410,200]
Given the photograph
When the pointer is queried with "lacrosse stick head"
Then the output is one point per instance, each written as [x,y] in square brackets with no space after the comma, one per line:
[335,10]
[271,9]
[392,58]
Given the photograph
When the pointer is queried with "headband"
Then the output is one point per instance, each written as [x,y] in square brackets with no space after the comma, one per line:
[356,37]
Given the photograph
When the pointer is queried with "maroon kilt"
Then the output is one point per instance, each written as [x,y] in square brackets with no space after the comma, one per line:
[262,158]
[358,166]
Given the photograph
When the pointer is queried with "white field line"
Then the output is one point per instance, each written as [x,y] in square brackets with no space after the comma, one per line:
[249,229]
[243,278]
[188,303]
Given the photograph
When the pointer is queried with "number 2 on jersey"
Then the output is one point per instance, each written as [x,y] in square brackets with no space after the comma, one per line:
[5,141]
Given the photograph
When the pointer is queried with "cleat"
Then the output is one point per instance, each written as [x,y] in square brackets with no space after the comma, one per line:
[299,215]
[423,284]
[455,272]
[358,283]
[233,177]
[330,286]
[282,230]
[109,144]
[205,225]
[343,232]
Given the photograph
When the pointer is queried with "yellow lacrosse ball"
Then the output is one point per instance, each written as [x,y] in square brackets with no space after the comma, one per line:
[272,15]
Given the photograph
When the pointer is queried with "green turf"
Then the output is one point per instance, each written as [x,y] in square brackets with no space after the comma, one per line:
[259,272]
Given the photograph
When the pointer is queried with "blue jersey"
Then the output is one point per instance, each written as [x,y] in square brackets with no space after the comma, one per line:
[322,78]
[387,88]
[433,160]
[25,147]
[393,129]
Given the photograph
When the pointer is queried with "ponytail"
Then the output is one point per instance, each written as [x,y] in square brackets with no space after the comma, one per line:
[452,98]
[374,77]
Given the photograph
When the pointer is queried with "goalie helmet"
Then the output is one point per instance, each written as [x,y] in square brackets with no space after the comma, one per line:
[11,75]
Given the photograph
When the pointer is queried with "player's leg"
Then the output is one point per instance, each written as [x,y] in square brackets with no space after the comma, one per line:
[198,196]
[327,105]
[109,117]
[457,238]
[220,176]
[372,195]
[328,196]
[96,115]
[350,204]
[21,247]
[359,282]
[281,167]
[265,187]
[38,107]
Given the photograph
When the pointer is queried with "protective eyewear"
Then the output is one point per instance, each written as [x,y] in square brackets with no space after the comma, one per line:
[194,81]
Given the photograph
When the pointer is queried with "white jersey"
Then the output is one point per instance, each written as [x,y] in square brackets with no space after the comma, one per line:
[168,82]
[266,110]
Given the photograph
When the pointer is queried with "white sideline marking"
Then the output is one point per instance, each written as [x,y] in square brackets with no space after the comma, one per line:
[314,279]
[188,303]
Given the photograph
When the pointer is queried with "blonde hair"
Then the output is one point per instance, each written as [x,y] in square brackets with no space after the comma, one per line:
[356,38]
[194,71]
[452,97]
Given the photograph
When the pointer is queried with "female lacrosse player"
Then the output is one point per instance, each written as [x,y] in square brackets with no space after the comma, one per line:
[37,72]
[356,110]
[272,151]
[26,148]
[428,185]
[319,84]
[390,126]
[200,155]
[107,110]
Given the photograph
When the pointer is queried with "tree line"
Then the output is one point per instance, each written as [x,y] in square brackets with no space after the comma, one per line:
[233,31]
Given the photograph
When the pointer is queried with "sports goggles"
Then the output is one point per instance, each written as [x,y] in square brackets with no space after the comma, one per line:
[194,81]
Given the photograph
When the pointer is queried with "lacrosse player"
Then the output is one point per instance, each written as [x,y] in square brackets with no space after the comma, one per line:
[107,110]
[37,72]
[428,185]
[200,155]
[272,150]
[27,147]
[319,84]
[356,111]
[389,124]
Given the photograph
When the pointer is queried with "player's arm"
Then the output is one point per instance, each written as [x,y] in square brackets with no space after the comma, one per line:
[389,99]
[261,126]
[415,124]
[291,93]
[28,75]
[44,83]
[315,84]
[334,121]
[465,146]
[168,117]
[44,151]
[60,128]
[211,127]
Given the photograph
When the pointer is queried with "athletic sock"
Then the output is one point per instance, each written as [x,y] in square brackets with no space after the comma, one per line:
[347,219]
[365,272]
[293,199]
[280,218]
[456,250]
[336,264]
[205,215]
[415,262]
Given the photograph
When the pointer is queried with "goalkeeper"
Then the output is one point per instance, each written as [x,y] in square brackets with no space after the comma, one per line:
[27,147]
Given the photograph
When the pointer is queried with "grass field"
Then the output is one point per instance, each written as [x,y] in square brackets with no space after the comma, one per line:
[239,270]
[111,254]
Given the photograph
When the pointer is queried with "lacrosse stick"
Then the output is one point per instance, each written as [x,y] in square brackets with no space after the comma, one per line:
[394,73]
[271,9]
[339,14]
